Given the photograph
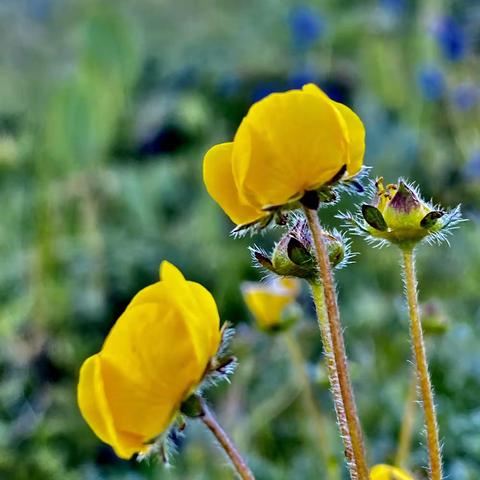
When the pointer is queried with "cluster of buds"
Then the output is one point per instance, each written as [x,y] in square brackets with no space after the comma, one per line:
[401,217]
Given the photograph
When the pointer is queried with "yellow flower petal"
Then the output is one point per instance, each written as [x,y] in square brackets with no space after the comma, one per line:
[156,342]
[386,472]
[148,368]
[175,291]
[267,301]
[218,178]
[96,411]
[356,130]
[207,309]
[169,272]
[92,401]
[292,285]
[287,143]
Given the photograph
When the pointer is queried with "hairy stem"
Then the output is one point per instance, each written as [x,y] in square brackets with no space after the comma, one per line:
[358,464]
[212,424]
[434,451]
[319,301]
[315,418]
[406,430]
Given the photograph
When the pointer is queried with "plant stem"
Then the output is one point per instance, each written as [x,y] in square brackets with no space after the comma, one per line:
[357,463]
[406,430]
[319,301]
[434,451]
[226,443]
[315,418]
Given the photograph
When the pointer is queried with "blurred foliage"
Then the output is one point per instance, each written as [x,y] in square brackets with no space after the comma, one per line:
[106,109]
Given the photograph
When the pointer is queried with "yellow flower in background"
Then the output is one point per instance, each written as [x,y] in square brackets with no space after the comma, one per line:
[287,144]
[153,358]
[267,301]
[386,472]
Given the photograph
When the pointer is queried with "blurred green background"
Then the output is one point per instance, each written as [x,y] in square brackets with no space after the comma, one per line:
[106,110]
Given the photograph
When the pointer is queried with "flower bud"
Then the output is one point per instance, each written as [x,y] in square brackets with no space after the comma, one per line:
[294,254]
[400,216]
[434,321]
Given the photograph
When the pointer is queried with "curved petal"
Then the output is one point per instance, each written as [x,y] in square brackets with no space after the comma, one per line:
[218,178]
[147,370]
[139,414]
[386,472]
[152,345]
[356,132]
[92,401]
[288,143]
[199,311]
[207,310]
[355,127]
[168,271]
[95,409]
[173,292]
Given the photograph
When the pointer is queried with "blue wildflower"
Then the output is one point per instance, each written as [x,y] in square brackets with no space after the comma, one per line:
[306,26]
[266,88]
[299,78]
[431,82]
[451,38]
[394,7]
[40,9]
[465,96]
[229,85]
[471,169]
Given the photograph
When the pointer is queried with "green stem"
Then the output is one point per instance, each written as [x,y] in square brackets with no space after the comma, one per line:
[406,430]
[351,432]
[315,418]
[434,451]
[233,454]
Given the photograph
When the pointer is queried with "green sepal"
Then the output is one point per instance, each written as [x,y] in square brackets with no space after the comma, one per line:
[192,406]
[430,219]
[374,217]
[263,260]
[311,200]
[297,253]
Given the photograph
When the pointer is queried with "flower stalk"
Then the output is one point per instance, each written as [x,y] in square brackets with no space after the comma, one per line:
[322,444]
[406,429]
[209,420]
[353,437]
[434,450]
[319,301]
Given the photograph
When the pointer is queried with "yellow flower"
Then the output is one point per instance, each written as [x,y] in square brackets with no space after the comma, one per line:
[288,143]
[153,358]
[386,472]
[268,301]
